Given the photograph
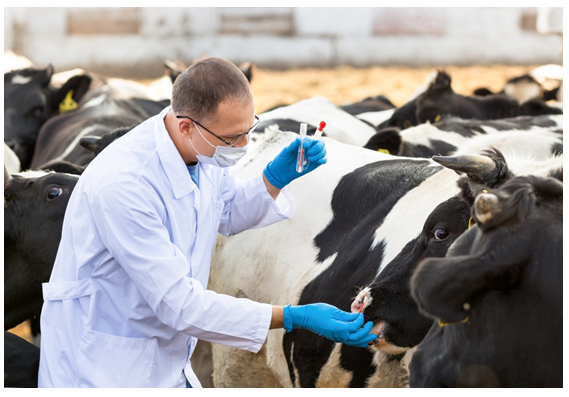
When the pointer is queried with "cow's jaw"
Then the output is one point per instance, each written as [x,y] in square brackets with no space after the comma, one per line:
[362,301]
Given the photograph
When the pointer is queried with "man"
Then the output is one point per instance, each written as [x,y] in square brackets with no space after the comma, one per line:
[127,298]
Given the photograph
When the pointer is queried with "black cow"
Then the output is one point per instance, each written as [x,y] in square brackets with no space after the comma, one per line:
[102,111]
[21,362]
[499,291]
[34,205]
[445,137]
[30,100]
[523,88]
[440,102]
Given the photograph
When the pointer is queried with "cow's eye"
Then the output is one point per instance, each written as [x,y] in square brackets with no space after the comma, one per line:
[36,111]
[54,193]
[440,234]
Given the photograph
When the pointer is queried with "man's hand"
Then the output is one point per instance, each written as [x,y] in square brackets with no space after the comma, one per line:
[331,322]
[282,170]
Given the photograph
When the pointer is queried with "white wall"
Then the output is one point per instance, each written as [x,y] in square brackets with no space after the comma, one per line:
[134,41]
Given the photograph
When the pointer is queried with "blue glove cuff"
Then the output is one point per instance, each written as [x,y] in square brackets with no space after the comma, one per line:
[272,180]
[287,319]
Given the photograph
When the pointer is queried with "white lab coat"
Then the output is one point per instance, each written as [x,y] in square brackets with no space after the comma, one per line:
[127,298]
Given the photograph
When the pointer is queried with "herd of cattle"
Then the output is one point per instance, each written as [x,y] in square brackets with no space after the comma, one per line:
[440,219]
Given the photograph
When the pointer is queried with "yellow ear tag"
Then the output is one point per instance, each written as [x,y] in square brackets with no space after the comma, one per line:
[68,103]
[443,324]
[438,118]
[470,222]
[383,151]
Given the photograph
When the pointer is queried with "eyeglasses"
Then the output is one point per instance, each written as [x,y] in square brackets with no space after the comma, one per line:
[231,142]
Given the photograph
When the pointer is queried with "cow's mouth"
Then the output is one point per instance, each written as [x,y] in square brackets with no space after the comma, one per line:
[381,344]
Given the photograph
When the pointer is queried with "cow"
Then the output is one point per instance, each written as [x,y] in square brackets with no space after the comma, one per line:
[21,362]
[34,205]
[30,100]
[340,124]
[446,137]
[497,296]
[354,216]
[103,110]
[439,101]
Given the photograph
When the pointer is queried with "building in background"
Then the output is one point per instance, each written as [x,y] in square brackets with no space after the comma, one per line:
[135,41]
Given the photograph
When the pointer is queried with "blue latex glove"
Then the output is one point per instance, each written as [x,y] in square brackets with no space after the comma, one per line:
[331,322]
[282,170]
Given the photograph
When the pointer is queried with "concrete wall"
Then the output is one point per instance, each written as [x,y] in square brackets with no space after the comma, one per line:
[134,41]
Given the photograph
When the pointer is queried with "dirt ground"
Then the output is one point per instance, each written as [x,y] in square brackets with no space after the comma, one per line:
[346,85]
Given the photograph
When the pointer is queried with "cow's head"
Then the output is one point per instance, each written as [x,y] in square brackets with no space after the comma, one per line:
[438,101]
[34,206]
[29,100]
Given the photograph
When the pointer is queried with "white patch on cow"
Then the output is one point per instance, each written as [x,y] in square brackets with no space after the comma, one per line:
[523,91]
[11,160]
[75,142]
[340,125]
[412,210]
[535,143]
[13,61]
[332,374]
[96,101]
[389,373]
[376,118]
[34,174]
[423,133]
[18,79]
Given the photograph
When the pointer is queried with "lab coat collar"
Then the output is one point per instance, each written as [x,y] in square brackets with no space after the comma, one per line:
[171,159]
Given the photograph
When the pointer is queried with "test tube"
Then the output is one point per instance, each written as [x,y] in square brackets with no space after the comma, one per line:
[301,161]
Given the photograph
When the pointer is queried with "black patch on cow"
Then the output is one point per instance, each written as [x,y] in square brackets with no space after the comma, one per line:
[556,149]
[369,104]
[371,190]
[360,203]
[387,139]
[435,148]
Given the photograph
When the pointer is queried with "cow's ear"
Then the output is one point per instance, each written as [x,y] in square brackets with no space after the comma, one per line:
[387,140]
[91,143]
[247,68]
[68,96]
[44,75]
[448,288]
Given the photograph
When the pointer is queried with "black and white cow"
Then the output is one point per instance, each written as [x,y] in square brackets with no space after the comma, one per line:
[34,205]
[102,111]
[497,295]
[30,100]
[355,215]
[439,101]
[448,136]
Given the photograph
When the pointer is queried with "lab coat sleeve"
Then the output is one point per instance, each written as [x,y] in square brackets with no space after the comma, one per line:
[128,216]
[248,205]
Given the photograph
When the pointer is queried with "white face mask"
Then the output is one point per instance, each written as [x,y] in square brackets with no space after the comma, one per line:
[224,156]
